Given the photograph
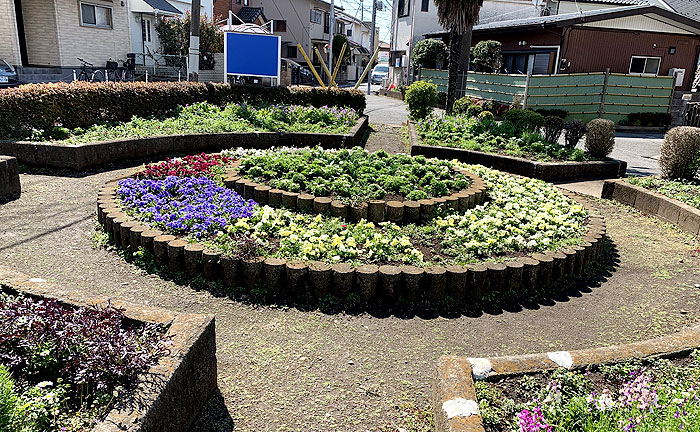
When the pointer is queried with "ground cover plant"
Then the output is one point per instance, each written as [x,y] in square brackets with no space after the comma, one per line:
[188,166]
[517,135]
[521,216]
[63,368]
[687,191]
[203,117]
[661,395]
[354,175]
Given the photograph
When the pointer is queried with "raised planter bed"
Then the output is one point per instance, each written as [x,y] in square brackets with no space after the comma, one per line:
[10,187]
[686,217]
[548,171]
[90,155]
[284,279]
[455,405]
[373,210]
[171,393]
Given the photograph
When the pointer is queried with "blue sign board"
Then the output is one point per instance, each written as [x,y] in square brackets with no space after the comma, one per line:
[252,54]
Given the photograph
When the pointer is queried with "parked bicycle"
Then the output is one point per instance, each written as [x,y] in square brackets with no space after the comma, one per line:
[120,73]
[89,73]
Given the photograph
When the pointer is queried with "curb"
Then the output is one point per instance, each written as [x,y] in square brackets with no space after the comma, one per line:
[684,216]
[284,279]
[89,155]
[10,187]
[453,384]
[548,171]
[170,395]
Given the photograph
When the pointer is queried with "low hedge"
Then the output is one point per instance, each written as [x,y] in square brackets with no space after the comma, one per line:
[81,104]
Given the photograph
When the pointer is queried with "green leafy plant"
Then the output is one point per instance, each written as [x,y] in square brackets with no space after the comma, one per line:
[338,41]
[429,53]
[687,191]
[460,106]
[680,153]
[486,116]
[553,112]
[648,119]
[574,130]
[600,137]
[421,97]
[552,128]
[174,36]
[486,56]
[524,120]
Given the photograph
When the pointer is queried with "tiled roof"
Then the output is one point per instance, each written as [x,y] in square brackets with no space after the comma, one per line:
[688,8]
[163,5]
[250,14]
[617,2]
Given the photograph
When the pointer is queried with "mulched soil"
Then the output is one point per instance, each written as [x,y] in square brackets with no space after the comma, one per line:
[291,369]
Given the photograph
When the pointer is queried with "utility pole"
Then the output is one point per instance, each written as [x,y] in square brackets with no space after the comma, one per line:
[193,63]
[371,42]
[331,33]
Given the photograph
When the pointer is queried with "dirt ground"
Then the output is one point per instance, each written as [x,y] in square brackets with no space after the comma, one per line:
[285,369]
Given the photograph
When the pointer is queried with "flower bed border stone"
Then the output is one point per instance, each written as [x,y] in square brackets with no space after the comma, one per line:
[454,402]
[548,171]
[171,394]
[678,213]
[372,210]
[386,283]
[89,155]
[10,187]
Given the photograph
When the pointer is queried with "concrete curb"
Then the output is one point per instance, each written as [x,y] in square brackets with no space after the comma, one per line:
[685,217]
[373,211]
[284,279]
[90,155]
[10,187]
[170,394]
[454,376]
[548,171]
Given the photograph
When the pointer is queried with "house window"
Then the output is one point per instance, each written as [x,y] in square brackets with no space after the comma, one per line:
[349,32]
[645,65]
[146,30]
[95,16]
[316,16]
[238,1]
[281,26]
[404,7]
[291,52]
[424,5]
[326,23]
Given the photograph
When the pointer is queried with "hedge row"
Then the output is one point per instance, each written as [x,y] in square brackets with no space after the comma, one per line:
[81,104]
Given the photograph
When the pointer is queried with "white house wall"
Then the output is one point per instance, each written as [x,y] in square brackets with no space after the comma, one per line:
[9,49]
[206,6]
[641,23]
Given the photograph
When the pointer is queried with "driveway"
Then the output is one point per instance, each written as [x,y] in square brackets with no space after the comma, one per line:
[386,110]
[641,151]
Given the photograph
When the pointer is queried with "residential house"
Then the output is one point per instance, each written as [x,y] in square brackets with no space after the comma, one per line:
[243,13]
[633,39]
[143,18]
[412,19]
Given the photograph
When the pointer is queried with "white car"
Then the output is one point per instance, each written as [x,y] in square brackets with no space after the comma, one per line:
[379,72]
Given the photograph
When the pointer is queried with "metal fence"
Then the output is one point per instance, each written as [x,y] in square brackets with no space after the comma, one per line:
[692,114]
[584,95]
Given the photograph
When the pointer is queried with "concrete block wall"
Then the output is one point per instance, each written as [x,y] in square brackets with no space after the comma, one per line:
[9,178]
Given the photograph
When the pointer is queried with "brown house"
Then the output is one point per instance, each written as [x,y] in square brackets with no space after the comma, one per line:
[241,10]
[638,39]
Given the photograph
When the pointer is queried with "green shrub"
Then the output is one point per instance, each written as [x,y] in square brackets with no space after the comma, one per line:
[486,116]
[82,104]
[8,399]
[474,110]
[524,120]
[552,128]
[491,106]
[680,153]
[574,130]
[600,137]
[647,119]
[486,56]
[553,112]
[421,97]
[429,53]
[461,105]
[441,99]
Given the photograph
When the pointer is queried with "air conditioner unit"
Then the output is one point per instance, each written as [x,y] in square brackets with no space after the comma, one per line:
[678,74]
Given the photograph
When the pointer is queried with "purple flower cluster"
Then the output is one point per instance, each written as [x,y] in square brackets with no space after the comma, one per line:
[190,205]
[533,421]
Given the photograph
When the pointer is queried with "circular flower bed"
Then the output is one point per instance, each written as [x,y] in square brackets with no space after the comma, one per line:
[353,175]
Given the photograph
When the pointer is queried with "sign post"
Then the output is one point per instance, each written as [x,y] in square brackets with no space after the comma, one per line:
[252,54]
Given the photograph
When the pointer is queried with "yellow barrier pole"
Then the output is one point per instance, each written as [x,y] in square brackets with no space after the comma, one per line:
[367,68]
[337,64]
[311,66]
[325,68]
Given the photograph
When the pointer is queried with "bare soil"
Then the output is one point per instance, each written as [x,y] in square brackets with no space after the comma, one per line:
[290,369]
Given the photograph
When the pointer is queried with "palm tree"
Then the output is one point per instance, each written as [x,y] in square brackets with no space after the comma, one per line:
[458,17]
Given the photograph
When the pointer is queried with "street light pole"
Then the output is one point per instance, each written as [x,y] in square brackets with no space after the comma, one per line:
[371,43]
[193,63]
[331,32]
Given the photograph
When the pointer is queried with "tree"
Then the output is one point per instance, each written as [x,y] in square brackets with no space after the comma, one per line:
[174,35]
[338,41]
[457,17]
[486,56]
[428,53]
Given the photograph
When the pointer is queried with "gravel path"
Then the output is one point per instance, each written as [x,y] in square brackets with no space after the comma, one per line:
[285,369]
